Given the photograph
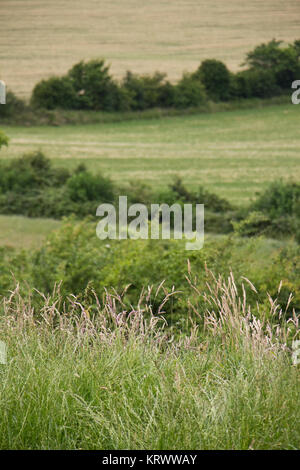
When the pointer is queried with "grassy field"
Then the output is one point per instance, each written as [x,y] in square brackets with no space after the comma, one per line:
[22,232]
[232,153]
[41,38]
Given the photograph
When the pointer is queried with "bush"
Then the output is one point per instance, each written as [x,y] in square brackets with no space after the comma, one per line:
[219,222]
[189,92]
[180,191]
[275,212]
[256,223]
[30,172]
[148,91]
[213,202]
[77,257]
[254,83]
[56,92]
[74,255]
[31,186]
[84,186]
[13,106]
[216,78]
[138,192]
[280,199]
[95,87]
[282,62]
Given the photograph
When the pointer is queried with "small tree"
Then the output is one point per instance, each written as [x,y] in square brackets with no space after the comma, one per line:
[189,92]
[148,91]
[56,92]
[283,62]
[216,78]
[95,87]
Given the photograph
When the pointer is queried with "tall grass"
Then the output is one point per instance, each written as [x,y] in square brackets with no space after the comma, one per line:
[107,378]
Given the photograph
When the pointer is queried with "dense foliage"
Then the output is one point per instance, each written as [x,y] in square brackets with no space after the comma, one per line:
[74,256]
[31,186]
[216,79]
[89,85]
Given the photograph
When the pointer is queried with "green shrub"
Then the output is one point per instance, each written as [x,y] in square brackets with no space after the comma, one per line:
[213,202]
[180,191]
[84,186]
[56,92]
[254,83]
[189,92]
[13,106]
[256,223]
[148,91]
[31,186]
[49,202]
[95,87]
[280,199]
[282,62]
[138,193]
[216,79]
[275,212]
[219,222]
[30,172]
[75,256]
[201,196]
[166,95]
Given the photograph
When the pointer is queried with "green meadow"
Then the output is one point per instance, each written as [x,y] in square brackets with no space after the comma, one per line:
[234,153]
